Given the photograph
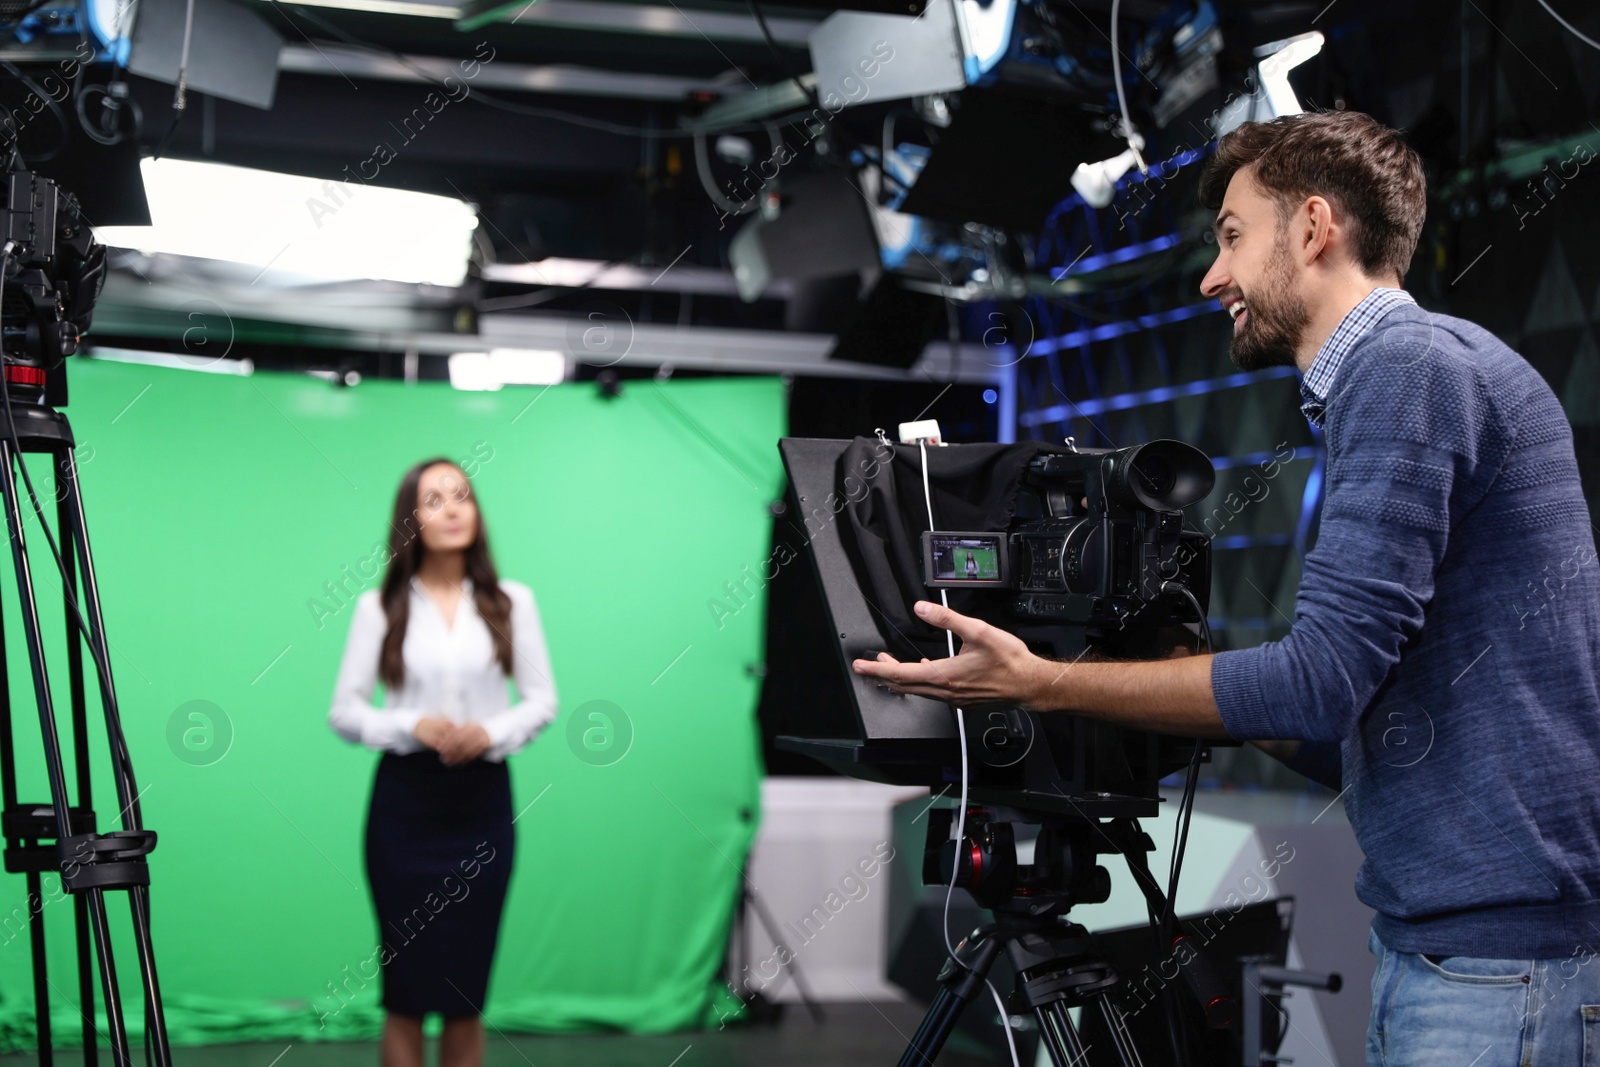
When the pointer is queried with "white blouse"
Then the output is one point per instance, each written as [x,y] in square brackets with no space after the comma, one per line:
[451,673]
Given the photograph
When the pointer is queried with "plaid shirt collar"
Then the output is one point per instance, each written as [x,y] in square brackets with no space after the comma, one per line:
[1354,326]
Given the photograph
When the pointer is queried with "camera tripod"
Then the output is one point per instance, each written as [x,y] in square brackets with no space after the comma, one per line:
[1056,963]
[61,835]
[762,1009]
[1057,969]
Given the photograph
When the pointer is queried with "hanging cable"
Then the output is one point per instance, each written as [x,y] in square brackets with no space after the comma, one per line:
[702,167]
[180,95]
[1570,28]
[1122,93]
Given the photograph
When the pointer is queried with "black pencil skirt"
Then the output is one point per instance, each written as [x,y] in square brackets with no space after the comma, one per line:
[439,845]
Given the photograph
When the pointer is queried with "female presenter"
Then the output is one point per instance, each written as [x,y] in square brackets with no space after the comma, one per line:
[443,635]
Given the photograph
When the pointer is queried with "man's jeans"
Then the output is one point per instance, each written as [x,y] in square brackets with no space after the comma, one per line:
[1463,1011]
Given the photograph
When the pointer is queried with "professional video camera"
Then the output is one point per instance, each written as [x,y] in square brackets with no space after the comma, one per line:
[1080,553]
[53,276]
[1108,555]
[1077,552]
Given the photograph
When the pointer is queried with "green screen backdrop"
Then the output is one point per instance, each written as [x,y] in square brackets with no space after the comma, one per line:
[234,519]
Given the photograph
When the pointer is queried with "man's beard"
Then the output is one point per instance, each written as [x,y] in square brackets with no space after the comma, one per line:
[1275,319]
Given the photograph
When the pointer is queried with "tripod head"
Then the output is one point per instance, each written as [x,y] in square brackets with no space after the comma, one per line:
[1031,901]
[1065,871]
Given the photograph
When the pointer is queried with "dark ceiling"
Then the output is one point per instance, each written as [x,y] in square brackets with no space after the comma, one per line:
[572,137]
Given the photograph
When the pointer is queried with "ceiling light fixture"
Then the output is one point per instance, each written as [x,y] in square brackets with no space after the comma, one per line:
[296,226]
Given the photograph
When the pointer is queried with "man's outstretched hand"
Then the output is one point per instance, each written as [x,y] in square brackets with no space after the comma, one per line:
[1170,696]
[993,666]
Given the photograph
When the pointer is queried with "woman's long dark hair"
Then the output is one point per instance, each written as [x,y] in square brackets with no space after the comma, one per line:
[405,557]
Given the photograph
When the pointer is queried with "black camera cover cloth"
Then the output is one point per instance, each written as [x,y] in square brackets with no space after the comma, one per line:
[973,487]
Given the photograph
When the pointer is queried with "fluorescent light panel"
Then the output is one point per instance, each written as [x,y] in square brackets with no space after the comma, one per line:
[507,366]
[392,7]
[318,230]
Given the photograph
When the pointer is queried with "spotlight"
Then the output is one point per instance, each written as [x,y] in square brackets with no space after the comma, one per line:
[1273,96]
[1275,67]
[1097,182]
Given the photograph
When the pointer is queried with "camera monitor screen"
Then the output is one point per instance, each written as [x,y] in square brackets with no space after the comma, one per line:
[968,560]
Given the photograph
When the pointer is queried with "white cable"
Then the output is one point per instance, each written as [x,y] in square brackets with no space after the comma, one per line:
[1122,97]
[1569,26]
[703,169]
[1005,1022]
[961,731]
[961,812]
[183,59]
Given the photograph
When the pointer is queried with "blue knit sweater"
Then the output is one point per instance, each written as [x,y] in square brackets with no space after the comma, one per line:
[1442,665]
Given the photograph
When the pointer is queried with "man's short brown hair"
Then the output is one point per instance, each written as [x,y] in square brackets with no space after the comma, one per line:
[1365,169]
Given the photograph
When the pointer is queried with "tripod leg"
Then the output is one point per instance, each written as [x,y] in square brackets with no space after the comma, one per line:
[156,1050]
[41,973]
[116,1026]
[76,539]
[765,917]
[1060,1038]
[80,708]
[91,1037]
[1067,1049]
[80,737]
[8,790]
[959,982]
[934,1030]
[1117,1026]
[156,1047]
[52,743]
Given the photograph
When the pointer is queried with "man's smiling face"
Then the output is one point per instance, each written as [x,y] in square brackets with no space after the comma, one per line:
[1256,278]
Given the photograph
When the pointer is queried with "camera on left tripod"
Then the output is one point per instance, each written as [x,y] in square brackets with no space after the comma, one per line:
[53,276]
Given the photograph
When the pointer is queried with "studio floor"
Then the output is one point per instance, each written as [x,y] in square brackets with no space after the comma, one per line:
[857,1034]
